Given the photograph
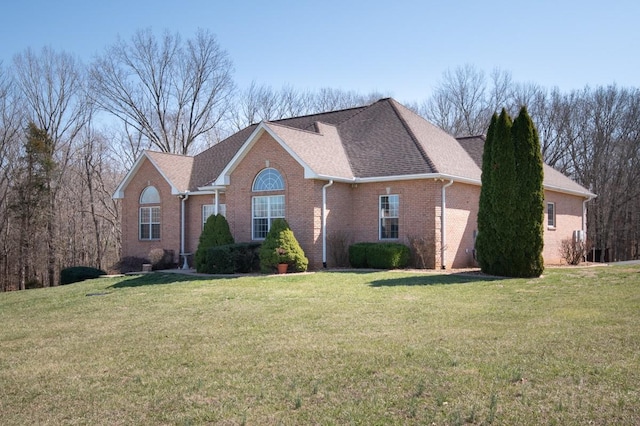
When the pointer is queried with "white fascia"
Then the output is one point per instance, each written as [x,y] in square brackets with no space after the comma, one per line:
[421,176]
[223,179]
[119,192]
[570,192]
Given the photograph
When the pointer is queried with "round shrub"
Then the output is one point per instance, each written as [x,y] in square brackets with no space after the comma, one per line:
[76,274]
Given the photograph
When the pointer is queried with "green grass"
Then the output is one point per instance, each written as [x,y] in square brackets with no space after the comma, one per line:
[325,348]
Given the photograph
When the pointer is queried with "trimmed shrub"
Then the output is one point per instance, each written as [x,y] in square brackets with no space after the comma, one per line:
[379,255]
[281,246]
[161,259]
[231,258]
[388,256]
[247,257]
[217,260]
[358,254]
[76,274]
[215,233]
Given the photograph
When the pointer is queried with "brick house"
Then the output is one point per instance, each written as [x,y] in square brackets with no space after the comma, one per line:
[373,173]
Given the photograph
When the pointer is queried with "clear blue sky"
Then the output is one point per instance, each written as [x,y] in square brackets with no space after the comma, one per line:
[397,47]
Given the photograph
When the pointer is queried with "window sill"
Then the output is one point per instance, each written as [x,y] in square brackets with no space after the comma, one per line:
[551,228]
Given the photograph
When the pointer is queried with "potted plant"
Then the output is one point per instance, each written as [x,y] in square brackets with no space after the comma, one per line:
[283,260]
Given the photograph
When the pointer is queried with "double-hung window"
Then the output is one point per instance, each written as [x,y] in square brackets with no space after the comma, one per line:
[551,215]
[389,216]
[266,208]
[149,216]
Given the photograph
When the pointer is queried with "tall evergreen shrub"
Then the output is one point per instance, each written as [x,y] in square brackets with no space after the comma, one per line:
[502,193]
[529,211]
[511,210]
[485,249]
[215,233]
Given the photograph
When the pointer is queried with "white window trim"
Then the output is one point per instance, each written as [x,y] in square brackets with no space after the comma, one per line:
[261,173]
[554,223]
[380,217]
[268,217]
[150,223]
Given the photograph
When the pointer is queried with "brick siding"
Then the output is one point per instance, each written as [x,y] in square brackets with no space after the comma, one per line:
[352,210]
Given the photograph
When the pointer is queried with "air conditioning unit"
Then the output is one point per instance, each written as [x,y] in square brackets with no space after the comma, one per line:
[578,235]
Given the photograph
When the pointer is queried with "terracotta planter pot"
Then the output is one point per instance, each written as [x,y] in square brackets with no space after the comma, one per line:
[282,268]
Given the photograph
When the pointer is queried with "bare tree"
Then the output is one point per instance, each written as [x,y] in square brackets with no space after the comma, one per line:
[260,102]
[10,124]
[460,104]
[52,87]
[168,90]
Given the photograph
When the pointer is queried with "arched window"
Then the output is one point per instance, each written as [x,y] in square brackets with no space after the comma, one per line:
[150,195]
[268,180]
[266,208]
[149,216]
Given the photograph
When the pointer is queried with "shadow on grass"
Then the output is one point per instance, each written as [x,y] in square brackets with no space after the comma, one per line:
[461,278]
[160,278]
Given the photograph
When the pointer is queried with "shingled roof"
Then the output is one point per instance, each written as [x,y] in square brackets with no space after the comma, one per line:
[553,179]
[381,141]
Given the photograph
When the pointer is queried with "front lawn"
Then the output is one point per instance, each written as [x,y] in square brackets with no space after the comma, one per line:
[325,348]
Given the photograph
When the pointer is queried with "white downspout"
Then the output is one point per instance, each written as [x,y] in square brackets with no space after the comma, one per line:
[443,225]
[584,215]
[183,198]
[584,228]
[324,223]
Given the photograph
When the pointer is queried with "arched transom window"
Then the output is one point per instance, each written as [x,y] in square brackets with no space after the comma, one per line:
[150,195]
[268,180]
[149,216]
[266,208]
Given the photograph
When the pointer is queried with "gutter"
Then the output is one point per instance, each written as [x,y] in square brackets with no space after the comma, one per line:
[324,223]
[183,198]
[443,225]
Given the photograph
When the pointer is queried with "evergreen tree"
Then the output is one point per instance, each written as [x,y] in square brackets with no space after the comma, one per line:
[529,204]
[281,246]
[32,193]
[215,233]
[502,193]
[485,252]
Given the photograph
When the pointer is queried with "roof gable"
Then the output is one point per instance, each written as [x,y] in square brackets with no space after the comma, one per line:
[175,169]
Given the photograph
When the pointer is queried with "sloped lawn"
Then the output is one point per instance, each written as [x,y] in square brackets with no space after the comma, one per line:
[325,348]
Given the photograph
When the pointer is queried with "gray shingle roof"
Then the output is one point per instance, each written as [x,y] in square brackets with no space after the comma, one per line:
[381,140]
[553,179]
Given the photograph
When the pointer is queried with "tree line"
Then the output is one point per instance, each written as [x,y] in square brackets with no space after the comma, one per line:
[69,131]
